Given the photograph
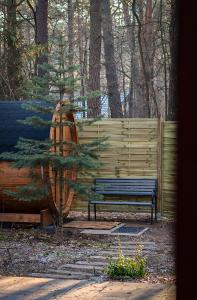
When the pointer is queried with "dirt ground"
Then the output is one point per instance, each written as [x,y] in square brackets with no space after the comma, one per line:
[26,249]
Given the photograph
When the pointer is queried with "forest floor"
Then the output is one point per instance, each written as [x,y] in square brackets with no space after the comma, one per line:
[25,250]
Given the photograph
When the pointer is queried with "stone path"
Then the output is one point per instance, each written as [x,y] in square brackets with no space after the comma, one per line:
[91,267]
[27,288]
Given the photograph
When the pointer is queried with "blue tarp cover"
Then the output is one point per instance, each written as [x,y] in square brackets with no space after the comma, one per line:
[11,129]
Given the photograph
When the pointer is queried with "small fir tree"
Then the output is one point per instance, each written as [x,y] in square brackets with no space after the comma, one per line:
[36,155]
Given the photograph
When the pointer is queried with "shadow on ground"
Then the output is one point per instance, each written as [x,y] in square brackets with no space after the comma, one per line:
[28,288]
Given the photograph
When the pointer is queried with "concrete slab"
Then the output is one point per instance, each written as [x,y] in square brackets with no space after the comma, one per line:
[112,232]
[124,291]
[27,288]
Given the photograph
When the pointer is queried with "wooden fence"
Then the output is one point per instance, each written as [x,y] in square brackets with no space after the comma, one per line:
[169,160]
[137,148]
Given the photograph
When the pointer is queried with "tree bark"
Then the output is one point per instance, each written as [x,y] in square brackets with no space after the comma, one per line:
[149,57]
[42,34]
[143,99]
[71,46]
[94,105]
[135,97]
[82,42]
[110,64]
[131,43]
[164,52]
[172,99]
[13,54]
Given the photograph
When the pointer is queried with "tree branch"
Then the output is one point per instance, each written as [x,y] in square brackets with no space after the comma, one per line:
[29,4]
[25,19]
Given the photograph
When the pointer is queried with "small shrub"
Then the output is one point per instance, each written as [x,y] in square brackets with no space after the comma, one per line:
[125,267]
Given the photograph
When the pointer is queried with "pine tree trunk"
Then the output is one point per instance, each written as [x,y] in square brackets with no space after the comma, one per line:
[172,99]
[110,64]
[13,53]
[133,59]
[82,41]
[149,59]
[142,103]
[3,64]
[71,45]
[61,173]
[94,104]
[42,34]
[165,55]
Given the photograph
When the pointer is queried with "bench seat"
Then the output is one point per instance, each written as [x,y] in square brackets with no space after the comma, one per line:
[121,203]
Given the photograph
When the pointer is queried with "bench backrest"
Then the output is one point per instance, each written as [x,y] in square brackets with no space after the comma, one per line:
[125,186]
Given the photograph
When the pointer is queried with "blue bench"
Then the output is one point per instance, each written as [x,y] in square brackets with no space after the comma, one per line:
[126,187]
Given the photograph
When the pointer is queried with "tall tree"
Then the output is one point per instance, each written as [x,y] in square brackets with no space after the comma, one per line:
[110,64]
[149,56]
[131,43]
[82,41]
[71,8]
[172,104]
[144,106]
[134,98]
[13,52]
[94,104]
[42,34]
[164,54]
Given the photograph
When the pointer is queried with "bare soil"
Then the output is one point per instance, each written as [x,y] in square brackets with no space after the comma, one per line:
[26,249]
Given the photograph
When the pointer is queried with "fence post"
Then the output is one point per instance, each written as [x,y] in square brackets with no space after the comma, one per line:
[159,163]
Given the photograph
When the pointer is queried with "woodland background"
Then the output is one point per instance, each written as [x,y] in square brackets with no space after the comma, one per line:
[126,49]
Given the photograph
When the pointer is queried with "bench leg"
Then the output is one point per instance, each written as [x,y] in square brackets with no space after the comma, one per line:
[155,209]
[152,207]
[95,211]
[88,211]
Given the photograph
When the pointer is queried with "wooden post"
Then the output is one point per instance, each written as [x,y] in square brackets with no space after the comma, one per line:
[45,218]
[159,164]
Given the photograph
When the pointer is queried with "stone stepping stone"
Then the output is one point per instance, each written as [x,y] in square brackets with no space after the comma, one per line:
[130,247]
[93,263]
[103,259]
[74,273]
[80,268]
[134,243]
[100,258]
[115,252]
[61,276]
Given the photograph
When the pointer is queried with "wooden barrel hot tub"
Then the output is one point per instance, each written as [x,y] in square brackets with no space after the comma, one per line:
[10,130]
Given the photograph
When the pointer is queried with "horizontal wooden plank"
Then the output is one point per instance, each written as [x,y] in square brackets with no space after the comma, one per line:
[91,225]
[23,218]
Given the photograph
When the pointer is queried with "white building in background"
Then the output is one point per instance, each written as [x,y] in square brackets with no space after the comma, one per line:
[105,110]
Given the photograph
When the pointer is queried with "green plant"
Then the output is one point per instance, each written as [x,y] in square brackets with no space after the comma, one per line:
[125,267]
